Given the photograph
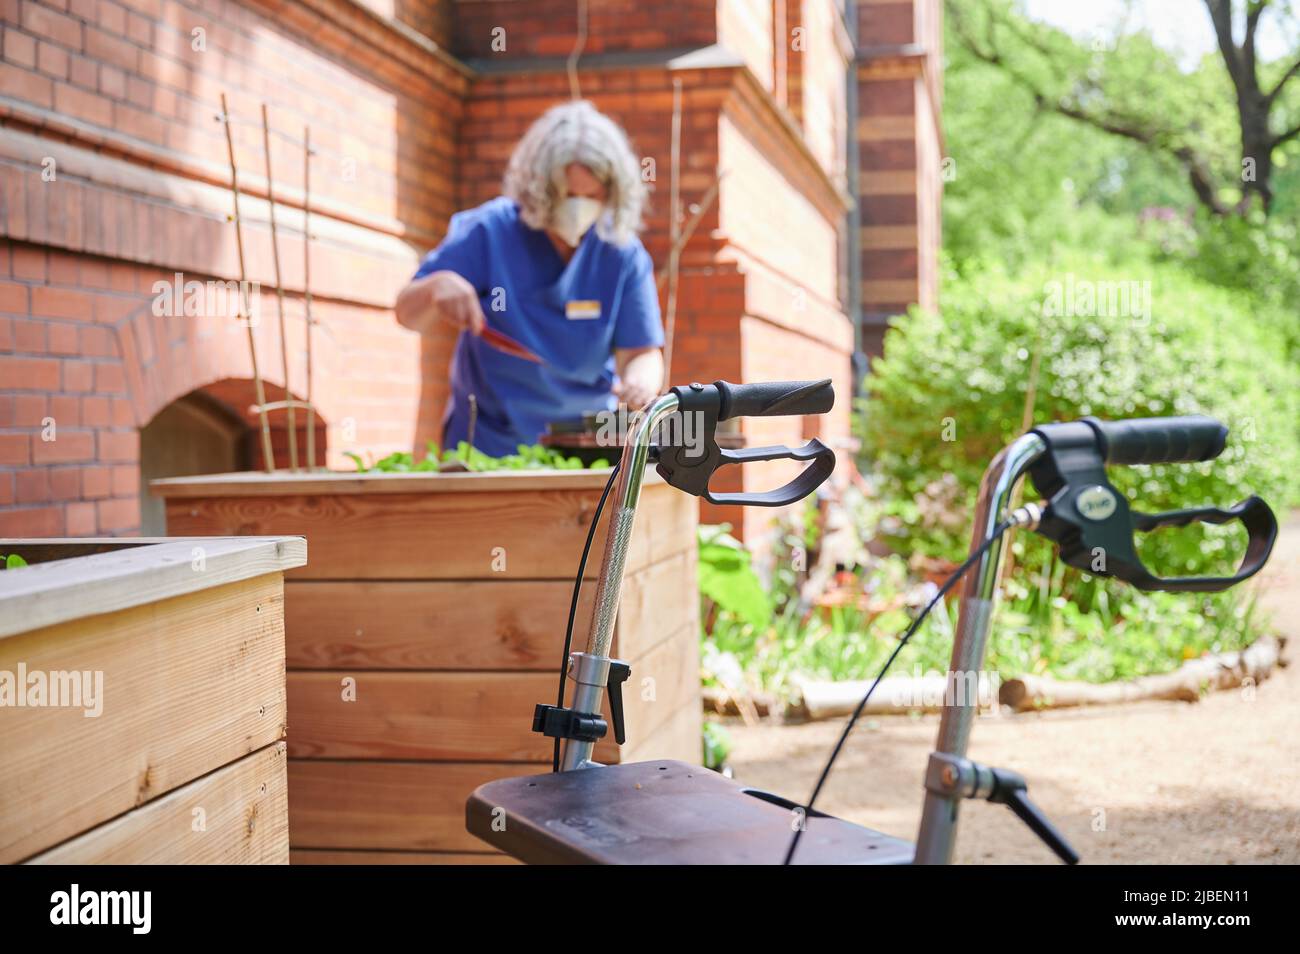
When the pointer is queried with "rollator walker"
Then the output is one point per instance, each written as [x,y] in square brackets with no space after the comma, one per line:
[672,812]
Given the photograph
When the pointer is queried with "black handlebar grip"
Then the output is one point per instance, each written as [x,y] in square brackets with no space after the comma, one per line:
[1160,440]
[774,398]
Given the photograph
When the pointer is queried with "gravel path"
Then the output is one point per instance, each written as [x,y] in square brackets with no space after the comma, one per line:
[1216,782]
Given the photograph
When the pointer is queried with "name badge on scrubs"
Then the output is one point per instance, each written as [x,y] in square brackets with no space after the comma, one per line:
[581,310]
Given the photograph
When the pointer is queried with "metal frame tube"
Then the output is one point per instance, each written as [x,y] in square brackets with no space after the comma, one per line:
[938,832]
[609,586]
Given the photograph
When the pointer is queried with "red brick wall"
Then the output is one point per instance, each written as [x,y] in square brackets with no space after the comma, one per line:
[431,18]
[522,29]
[900,153]
[817,78]
[116,101]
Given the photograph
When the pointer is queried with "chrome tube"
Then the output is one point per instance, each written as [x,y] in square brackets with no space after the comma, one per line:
[588,690]
[938,832]
[627,494]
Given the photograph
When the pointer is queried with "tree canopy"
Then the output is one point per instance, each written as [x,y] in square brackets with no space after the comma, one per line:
[1229,126]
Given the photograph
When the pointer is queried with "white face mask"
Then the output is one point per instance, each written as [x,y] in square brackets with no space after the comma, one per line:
[573,217]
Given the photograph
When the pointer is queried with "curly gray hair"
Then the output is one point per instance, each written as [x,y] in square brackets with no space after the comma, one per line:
[577,132]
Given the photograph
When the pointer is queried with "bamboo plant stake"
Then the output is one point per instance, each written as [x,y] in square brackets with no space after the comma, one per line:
[306,286]
[674,230]
[268,456]
[699,210]
[1026,422]
[279,296]
[579,43]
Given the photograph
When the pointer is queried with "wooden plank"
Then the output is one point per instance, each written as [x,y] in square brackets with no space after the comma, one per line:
[236,815]
[319,856]
[418,715]
[680,737]
[45,549]
[657,602]
[665,526]
[665,680]
[453,716]
[498,536]
[413,806]
[50,593]
[189,684]
[420,806]
[474,625]
[286,484]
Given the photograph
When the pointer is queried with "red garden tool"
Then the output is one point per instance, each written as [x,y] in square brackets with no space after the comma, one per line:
[503,342]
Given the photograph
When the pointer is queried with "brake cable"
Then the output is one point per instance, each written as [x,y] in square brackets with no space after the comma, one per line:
[573,605]
[948,584]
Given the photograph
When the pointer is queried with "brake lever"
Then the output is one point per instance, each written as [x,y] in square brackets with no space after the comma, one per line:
[809,479]
[688,453]
[1261,528]
[1093,526]
[1181,518]
[693,476]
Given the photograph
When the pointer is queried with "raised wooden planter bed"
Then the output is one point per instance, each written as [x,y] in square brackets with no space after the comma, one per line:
[441,600]
[179,757]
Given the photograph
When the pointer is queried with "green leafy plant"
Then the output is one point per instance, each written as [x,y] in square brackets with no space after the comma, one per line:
[11,562]
[727,580]
[717,746]
[466,457]
[1051,620]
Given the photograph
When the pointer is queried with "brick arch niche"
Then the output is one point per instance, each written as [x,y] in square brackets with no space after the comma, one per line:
[212,430]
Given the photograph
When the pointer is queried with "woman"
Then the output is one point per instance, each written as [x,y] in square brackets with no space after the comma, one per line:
[556,265]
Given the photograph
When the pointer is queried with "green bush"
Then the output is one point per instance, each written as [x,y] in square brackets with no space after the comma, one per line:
[1257,257]
[951,390]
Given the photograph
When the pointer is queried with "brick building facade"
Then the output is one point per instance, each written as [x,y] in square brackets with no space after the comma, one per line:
[113,178]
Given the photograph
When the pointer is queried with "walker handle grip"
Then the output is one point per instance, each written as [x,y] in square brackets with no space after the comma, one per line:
[1160,440]
[774,398]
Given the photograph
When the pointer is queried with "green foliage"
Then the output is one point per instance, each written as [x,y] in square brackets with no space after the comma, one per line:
[1108,114]
[1029,183]
[717,746]
[836,644]
[954,388]
[1052,620]
[727,579]
[1025,182]
[11,562]
[951,390]
[529,457]
[1103,631]
[1259,259]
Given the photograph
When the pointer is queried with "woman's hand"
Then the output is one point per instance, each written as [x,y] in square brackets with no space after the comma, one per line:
[442,296]
[640,376]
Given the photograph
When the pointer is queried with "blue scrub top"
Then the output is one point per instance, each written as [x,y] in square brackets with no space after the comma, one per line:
[571,315]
